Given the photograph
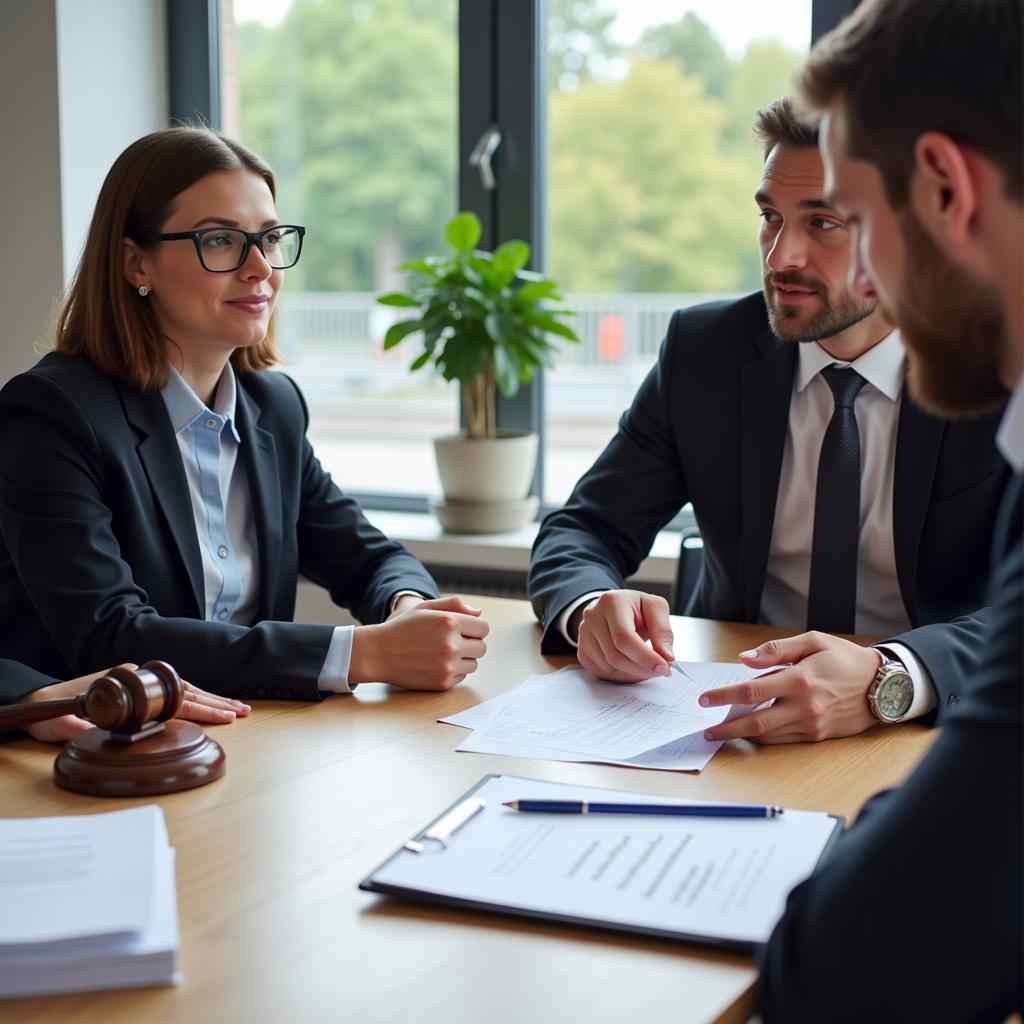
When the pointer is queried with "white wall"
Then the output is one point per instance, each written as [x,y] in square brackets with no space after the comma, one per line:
[79,79]
[112,77]
[30,207]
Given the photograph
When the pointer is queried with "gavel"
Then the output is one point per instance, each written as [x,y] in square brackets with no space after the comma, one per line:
[128,703]
[136,749]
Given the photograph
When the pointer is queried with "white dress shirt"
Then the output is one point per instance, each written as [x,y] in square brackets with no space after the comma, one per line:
[880,607]
[222,507]
[1010,438]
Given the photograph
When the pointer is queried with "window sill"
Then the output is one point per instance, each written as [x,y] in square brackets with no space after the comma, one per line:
[501,552]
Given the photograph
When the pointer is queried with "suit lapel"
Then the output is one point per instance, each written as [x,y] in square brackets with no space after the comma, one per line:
[161,459]
[918,440]
[259,455]
[766,385]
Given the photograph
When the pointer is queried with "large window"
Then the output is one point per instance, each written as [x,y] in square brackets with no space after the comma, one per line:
[354,104]
[651,174]
[629,121]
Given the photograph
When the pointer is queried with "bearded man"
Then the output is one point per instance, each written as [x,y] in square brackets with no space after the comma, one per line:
[918,912]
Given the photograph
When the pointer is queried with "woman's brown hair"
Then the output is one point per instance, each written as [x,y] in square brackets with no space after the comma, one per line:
[103,317]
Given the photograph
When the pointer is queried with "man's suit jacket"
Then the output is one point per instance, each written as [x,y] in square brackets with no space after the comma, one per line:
[708,426]
[918,914]
[100,561]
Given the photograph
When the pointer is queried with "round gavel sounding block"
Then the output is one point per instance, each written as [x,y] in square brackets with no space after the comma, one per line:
[138,748]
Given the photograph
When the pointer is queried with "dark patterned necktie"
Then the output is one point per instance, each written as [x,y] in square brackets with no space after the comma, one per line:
[832,593]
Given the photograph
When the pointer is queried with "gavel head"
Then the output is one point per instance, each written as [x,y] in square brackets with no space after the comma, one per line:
[125,700]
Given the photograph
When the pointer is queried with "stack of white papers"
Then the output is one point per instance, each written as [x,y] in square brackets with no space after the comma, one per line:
[87,902]
[571,715]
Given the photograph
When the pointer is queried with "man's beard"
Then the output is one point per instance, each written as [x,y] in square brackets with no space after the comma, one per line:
[834,317]
[953,327]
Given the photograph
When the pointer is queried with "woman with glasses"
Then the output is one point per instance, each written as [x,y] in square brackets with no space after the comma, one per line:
[158,496]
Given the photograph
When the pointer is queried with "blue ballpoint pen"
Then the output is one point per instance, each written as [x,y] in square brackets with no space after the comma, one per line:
[684,810]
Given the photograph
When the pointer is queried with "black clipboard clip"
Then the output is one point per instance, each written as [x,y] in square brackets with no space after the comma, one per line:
[448,824]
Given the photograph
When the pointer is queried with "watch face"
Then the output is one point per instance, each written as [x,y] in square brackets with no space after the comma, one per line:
[894,695]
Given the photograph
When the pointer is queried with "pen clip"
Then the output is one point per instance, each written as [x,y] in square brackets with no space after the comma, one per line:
[445,827]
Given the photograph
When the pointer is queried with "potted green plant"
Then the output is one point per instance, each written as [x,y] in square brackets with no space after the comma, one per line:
[489,324]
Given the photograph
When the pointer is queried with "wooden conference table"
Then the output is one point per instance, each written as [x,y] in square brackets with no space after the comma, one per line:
[316,796]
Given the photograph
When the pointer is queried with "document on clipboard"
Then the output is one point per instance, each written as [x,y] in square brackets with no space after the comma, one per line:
[713,881]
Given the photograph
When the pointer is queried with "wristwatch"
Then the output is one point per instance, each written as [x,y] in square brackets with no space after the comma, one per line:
[891,691]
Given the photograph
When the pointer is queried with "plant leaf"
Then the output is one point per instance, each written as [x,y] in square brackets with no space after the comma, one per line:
[562,330]
[463,231]
[474,275]
[506,372]
[545,322]
[532,291]
[511,256]
[417,267]
[401,299]
[396,332]
[542,350]
[496,329]
[421,360]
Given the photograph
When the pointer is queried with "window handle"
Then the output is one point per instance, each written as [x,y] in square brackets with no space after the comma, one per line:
[480,158]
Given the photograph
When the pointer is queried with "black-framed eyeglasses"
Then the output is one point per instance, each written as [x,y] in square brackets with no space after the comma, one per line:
[221,250]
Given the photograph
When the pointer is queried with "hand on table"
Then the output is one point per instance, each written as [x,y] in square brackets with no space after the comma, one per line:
[423,645]
[820,696]
[614,632]
[198,706]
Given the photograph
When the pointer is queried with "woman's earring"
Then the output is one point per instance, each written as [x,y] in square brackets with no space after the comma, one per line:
[143,290]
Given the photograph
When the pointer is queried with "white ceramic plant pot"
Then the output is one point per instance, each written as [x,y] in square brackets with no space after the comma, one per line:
[486,483]
[493,469]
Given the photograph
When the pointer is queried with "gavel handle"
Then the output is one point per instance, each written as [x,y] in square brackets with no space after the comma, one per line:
[18,715]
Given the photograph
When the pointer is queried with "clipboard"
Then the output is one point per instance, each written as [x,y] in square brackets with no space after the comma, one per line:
[606,872]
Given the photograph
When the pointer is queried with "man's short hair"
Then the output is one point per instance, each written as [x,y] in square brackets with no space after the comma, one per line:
[778,125]
[904,67]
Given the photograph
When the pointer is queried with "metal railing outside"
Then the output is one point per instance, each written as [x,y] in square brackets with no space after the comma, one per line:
[617,330]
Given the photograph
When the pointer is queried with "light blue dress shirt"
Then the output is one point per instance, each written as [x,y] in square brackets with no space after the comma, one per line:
[222,507]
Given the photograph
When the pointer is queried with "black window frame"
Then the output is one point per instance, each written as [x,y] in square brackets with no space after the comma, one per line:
[502,81]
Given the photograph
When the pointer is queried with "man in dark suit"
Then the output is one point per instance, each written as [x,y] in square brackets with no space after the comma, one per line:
[842,510]
[918,914]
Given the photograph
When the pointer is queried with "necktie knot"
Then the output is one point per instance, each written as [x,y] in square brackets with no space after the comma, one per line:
[844,382]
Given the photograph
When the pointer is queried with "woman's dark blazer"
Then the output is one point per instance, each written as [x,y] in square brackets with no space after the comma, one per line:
[99,558]
[17,681]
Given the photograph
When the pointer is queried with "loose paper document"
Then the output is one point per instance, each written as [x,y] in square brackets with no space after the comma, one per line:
[86,902]
[571,715]
[700,878]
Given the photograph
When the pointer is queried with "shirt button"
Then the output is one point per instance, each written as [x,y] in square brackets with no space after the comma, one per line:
[222,614]
[222,551]
[211,423]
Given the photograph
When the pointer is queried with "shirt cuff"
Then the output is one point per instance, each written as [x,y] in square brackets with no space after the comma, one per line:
[402,593]
[334,675]
[924,692]
[563,620]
